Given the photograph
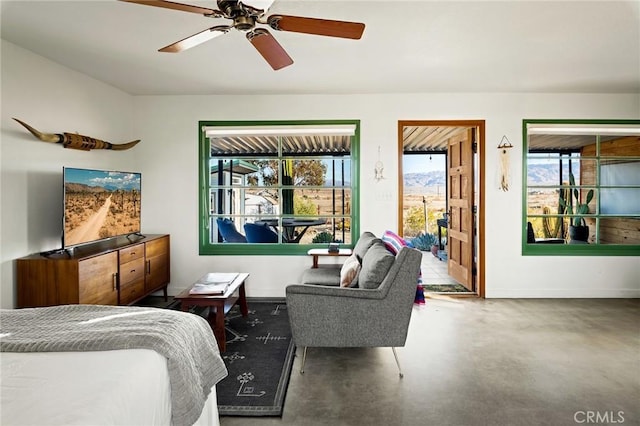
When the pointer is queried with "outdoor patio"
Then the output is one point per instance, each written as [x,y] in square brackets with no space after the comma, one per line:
[434,273]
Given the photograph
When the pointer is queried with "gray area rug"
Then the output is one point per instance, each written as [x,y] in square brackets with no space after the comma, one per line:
[259,357]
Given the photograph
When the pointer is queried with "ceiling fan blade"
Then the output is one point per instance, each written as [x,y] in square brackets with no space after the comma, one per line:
[196,39]
[324,27]
[269,48]
[177,6]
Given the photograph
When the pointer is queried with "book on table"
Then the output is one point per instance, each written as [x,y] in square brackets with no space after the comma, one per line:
[213,283]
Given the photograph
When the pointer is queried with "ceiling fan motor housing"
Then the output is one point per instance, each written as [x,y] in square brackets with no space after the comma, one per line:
[231,9]
[244,23]
[243,19]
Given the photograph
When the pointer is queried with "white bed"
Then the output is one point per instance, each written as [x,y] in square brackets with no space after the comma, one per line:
[106,387]
[125,387]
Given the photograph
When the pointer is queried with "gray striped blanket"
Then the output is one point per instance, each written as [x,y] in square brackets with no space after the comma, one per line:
[186,340]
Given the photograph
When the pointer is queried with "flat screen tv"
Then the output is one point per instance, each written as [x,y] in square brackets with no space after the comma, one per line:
[100,204]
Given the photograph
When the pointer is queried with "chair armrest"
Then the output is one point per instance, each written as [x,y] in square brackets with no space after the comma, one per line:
[332,291]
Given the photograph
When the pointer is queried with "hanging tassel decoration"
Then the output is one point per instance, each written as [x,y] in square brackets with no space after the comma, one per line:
[504,175]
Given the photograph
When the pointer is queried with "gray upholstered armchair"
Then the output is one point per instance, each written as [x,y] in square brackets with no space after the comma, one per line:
[329,316]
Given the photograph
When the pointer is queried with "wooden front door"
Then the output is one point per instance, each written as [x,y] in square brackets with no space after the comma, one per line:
[460,201]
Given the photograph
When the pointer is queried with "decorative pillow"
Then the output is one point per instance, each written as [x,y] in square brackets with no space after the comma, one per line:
[349,272]
[393,242]
[375,265]
[364,242]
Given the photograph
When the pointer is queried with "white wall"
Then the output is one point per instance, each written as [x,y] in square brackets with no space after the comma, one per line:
[168,154]
[171,122]
[53,99]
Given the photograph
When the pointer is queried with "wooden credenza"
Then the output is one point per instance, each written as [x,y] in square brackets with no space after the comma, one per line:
[119,271]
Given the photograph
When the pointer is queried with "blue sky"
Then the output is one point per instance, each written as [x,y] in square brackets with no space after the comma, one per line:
[420,163]
[119,180]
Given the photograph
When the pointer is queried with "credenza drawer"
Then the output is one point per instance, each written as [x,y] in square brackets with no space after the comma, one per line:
[131,271]
[131,292]
[131,253]
[157,247]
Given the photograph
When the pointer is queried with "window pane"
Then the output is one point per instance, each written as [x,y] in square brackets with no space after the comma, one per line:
[260,202]
[295,186]
[548,228]
[237,146]
[620,201]
[582,184]
[334,229]
[619,230]
[620,173]
[245,172]
[556,169]
[321,202]
[316,144]
[338,172]
[265,173]
[317,172]
[228,171]
[620,146]
[543,201]
[228,229]
[543,171]
[560,142]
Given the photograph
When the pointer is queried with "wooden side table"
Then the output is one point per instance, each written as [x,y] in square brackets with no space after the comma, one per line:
[219,305]
[325,252]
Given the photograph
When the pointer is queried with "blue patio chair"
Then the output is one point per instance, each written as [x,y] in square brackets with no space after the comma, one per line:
[228,231]
[259,233]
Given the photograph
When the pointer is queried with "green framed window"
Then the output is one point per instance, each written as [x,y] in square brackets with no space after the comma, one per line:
[277,187]
[581,187]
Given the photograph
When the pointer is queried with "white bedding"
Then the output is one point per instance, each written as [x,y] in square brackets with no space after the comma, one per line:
[119,387]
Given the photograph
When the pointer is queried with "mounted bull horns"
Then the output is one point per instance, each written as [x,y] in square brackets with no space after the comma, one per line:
[76,141]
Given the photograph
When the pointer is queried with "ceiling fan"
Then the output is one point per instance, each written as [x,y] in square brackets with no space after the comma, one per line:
[245,17]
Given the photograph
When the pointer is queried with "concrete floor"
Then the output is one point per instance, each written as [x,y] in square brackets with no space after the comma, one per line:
[480,362]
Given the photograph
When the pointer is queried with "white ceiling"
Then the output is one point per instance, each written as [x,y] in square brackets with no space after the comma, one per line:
[407,46]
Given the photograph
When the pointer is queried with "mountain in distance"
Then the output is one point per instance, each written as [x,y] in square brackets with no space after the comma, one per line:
[542,174]
[329,182]
[547,174]
[432,178]
[81,187]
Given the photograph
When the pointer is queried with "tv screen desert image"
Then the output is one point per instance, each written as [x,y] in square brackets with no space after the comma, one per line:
[100,204]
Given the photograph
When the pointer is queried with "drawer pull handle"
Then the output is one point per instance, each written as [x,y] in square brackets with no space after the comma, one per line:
[132,271]
[115,281]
